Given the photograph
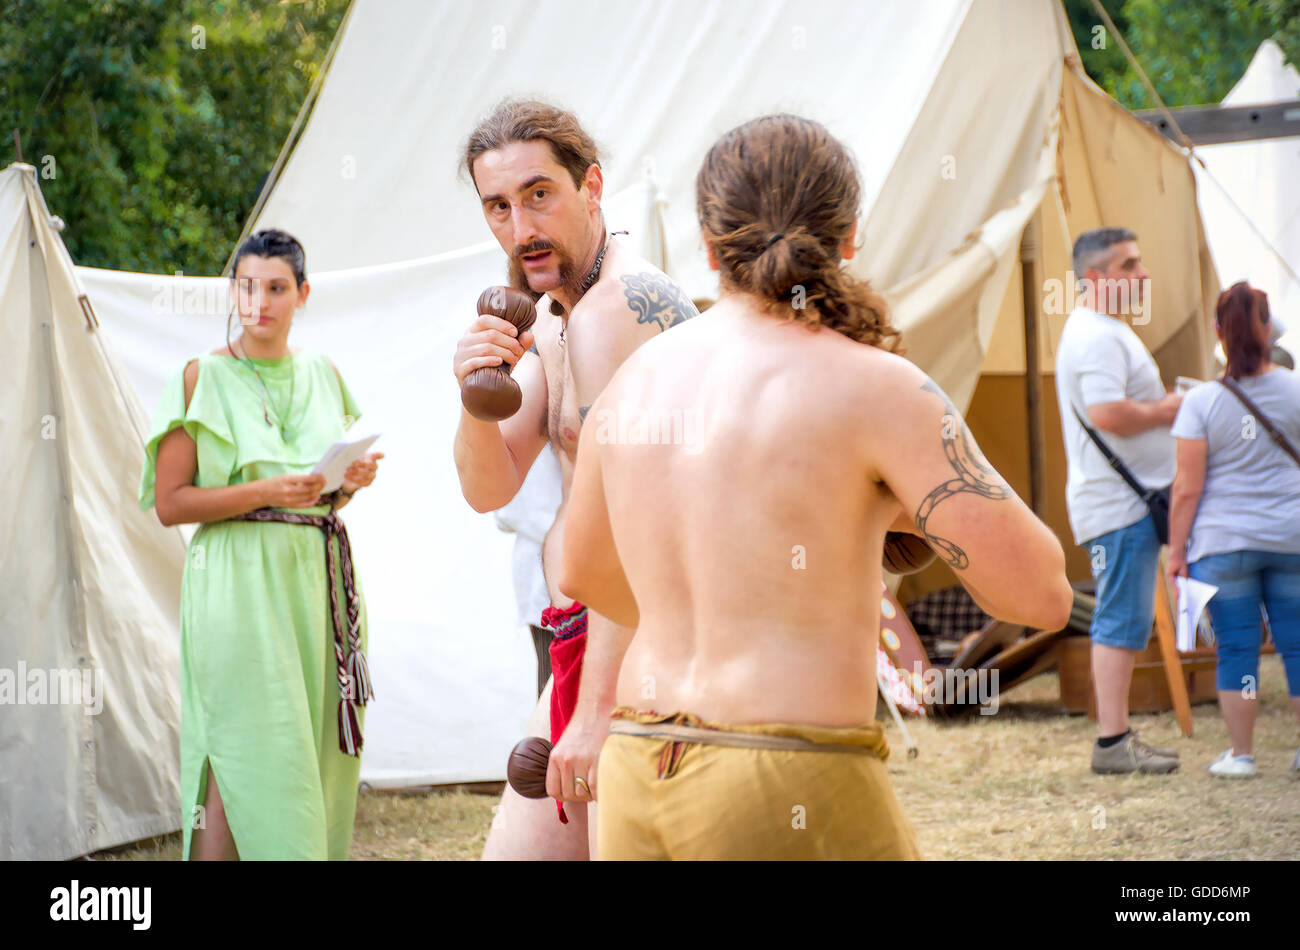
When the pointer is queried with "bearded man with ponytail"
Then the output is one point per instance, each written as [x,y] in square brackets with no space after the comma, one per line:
[748,558]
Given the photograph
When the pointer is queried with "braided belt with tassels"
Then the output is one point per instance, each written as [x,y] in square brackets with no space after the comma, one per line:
[353,674]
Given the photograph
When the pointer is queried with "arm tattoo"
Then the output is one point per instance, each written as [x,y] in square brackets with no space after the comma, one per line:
[656,299]
[974,474]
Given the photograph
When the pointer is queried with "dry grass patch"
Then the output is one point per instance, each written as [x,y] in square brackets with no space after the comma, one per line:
[1008,787]
[422,826]
[1018,786]
[409,825]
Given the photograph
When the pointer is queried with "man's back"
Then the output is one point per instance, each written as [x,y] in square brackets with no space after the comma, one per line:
[746,552]
[754,533]
[753,546]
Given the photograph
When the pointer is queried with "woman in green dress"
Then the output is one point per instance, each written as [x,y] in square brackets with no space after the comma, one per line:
[273,674]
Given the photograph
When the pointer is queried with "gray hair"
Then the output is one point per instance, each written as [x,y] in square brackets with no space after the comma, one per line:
[1091,247]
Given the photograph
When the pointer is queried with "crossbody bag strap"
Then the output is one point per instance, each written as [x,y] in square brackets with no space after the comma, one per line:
[1274,433]
[1112,458]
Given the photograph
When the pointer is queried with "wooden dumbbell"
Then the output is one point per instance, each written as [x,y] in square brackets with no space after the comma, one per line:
[489,393]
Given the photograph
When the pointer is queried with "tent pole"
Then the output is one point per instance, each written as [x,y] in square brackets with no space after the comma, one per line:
[18,147]
[1029,243]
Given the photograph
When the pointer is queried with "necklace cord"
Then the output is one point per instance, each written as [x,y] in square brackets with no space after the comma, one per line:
[266,397]
[591,278]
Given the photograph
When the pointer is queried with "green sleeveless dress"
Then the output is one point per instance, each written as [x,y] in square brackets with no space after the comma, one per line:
[259,692]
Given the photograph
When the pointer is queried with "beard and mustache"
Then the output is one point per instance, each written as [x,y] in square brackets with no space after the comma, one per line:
[569,279]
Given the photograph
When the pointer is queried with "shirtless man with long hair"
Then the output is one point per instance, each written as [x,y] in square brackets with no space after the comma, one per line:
[748,558]
[538,177]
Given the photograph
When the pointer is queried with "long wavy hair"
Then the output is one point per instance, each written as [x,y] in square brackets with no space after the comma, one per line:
[776,198]
[528,120]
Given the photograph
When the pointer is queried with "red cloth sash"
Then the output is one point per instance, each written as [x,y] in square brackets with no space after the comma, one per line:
[567,649]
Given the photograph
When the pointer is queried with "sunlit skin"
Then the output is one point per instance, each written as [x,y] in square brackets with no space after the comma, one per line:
[266,296]
[529,200]
[750,563]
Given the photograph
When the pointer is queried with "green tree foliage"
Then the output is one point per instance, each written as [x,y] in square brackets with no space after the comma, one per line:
[153,123]
[1193,51]
[1285,15]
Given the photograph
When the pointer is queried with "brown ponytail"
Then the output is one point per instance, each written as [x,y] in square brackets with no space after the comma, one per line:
[1241,318]
[776,198]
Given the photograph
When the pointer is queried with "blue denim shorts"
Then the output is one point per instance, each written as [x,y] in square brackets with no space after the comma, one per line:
[1248,581]
[1124,564]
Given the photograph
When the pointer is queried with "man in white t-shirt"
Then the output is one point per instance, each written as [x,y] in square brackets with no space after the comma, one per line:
[1106,375]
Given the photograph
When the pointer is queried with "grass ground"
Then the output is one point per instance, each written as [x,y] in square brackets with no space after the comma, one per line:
[1012,786]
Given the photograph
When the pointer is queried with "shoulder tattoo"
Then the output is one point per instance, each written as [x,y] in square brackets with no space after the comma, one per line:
[972,471]
[656,299]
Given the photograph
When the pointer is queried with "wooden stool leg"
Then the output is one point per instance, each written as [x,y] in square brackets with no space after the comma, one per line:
[1169,652]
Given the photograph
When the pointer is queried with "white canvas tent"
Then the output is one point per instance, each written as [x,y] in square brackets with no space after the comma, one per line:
[89,700]
[1258,183]
[454,678]
[970,119]
[374,176]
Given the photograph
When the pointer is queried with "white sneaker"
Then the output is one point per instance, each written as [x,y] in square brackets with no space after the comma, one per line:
[1228,765]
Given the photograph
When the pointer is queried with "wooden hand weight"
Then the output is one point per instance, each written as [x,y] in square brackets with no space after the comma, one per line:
[489,393]
[906,553]
[526,768]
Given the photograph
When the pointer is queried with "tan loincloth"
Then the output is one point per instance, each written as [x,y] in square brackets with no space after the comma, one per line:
[677,787]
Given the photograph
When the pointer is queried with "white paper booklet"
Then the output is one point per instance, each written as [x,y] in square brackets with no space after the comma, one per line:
[338,457]
[1193,595]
